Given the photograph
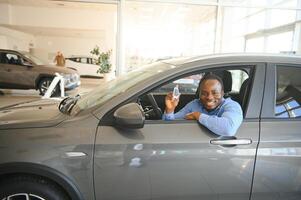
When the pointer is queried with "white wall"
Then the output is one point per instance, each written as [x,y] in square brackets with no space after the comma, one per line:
[67,45]
[74,31]
[86,19]
[16,40]
[5,10]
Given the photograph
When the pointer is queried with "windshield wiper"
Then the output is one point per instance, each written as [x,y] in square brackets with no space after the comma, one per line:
[68,103]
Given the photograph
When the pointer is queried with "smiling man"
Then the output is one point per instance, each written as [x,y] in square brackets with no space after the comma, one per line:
[222,116]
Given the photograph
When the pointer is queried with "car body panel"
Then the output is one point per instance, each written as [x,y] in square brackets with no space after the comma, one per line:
[66,148]
[43,113]
[172,161]
[277,172]
[84,66]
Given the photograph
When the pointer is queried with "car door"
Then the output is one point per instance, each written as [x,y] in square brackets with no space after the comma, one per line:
[178,159]
[277,172]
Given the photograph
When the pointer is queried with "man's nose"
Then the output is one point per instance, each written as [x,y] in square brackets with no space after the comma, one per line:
[209,96]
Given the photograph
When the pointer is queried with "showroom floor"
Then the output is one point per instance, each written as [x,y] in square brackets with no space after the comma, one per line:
[10,97]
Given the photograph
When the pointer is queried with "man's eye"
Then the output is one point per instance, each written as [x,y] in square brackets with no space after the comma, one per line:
[215,93]
[204,94]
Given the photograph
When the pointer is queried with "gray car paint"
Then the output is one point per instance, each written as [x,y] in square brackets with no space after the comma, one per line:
[277,172]
[175,158]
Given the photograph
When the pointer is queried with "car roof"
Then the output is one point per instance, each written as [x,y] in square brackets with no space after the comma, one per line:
[9,51]
[235,58]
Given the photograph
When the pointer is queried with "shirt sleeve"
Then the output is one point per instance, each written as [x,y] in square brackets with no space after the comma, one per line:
[181,114]
[227,124]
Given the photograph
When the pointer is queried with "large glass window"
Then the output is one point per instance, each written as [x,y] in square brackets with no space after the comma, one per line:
[288,103]
[156,31]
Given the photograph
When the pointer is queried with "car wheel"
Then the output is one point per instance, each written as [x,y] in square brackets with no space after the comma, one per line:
[44,85]
[30,188]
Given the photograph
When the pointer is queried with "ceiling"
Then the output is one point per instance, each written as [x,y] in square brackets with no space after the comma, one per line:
[62,4]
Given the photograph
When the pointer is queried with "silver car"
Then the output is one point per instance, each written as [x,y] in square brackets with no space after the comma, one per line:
[112,144]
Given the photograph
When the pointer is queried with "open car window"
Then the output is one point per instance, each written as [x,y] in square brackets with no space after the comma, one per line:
[236,82]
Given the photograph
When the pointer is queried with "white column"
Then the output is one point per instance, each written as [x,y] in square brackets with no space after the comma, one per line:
[120,42]
[218,29]
[297,31]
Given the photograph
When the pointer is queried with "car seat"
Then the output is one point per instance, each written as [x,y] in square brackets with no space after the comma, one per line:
[243,93]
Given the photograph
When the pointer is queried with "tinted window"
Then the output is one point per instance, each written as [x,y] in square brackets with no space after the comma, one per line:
[14,59]
[288,92]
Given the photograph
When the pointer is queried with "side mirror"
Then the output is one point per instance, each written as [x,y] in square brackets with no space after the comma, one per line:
[129,116]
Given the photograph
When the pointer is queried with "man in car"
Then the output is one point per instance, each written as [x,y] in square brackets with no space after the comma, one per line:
[222,116]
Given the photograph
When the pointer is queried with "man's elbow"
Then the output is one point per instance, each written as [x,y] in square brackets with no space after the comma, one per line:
[229,132]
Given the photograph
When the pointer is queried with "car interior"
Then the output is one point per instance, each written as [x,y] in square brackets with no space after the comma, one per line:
[236,85]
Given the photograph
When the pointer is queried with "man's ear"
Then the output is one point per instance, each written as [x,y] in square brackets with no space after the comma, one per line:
[223,93]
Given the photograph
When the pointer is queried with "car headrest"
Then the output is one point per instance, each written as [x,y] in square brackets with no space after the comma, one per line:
[227,80]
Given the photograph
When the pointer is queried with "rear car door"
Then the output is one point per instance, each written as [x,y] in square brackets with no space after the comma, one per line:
[178,159]
[277,172]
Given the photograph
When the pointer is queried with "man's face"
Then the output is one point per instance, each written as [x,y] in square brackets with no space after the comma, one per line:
[211,94]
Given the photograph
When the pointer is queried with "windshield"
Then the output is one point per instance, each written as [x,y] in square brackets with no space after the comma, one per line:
[121,84]
[34,59]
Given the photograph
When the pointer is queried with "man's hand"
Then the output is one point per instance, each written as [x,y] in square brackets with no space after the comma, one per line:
[193,115]
[170,103]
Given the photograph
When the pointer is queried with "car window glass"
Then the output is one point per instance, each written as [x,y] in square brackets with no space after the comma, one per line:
[3,58]
[288,101]
[13,59]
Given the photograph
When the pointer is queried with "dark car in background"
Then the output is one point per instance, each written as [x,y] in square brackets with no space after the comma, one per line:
[113,144]
[21,70]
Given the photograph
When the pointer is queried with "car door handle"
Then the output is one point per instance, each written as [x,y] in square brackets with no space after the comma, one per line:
[231,142]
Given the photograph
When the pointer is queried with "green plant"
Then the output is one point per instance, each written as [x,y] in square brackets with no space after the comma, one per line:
[102,59]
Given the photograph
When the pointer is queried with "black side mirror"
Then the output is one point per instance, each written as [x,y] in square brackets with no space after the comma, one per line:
[129,116]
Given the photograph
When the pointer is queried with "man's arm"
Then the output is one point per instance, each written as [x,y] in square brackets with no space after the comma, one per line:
[225,125]
[181,114]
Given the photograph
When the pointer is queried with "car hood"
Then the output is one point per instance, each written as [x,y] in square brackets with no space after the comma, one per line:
[53,69]
[41,113]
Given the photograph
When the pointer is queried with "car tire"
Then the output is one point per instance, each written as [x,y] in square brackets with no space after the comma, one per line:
[44,84]
[30,188]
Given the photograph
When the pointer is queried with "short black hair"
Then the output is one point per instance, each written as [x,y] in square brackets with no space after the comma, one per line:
[211,76]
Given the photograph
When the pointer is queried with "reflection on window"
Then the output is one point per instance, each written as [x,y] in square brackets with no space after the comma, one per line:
[290,109]
[288,103]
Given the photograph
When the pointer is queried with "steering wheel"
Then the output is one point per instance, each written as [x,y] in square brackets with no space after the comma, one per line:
[155,106]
